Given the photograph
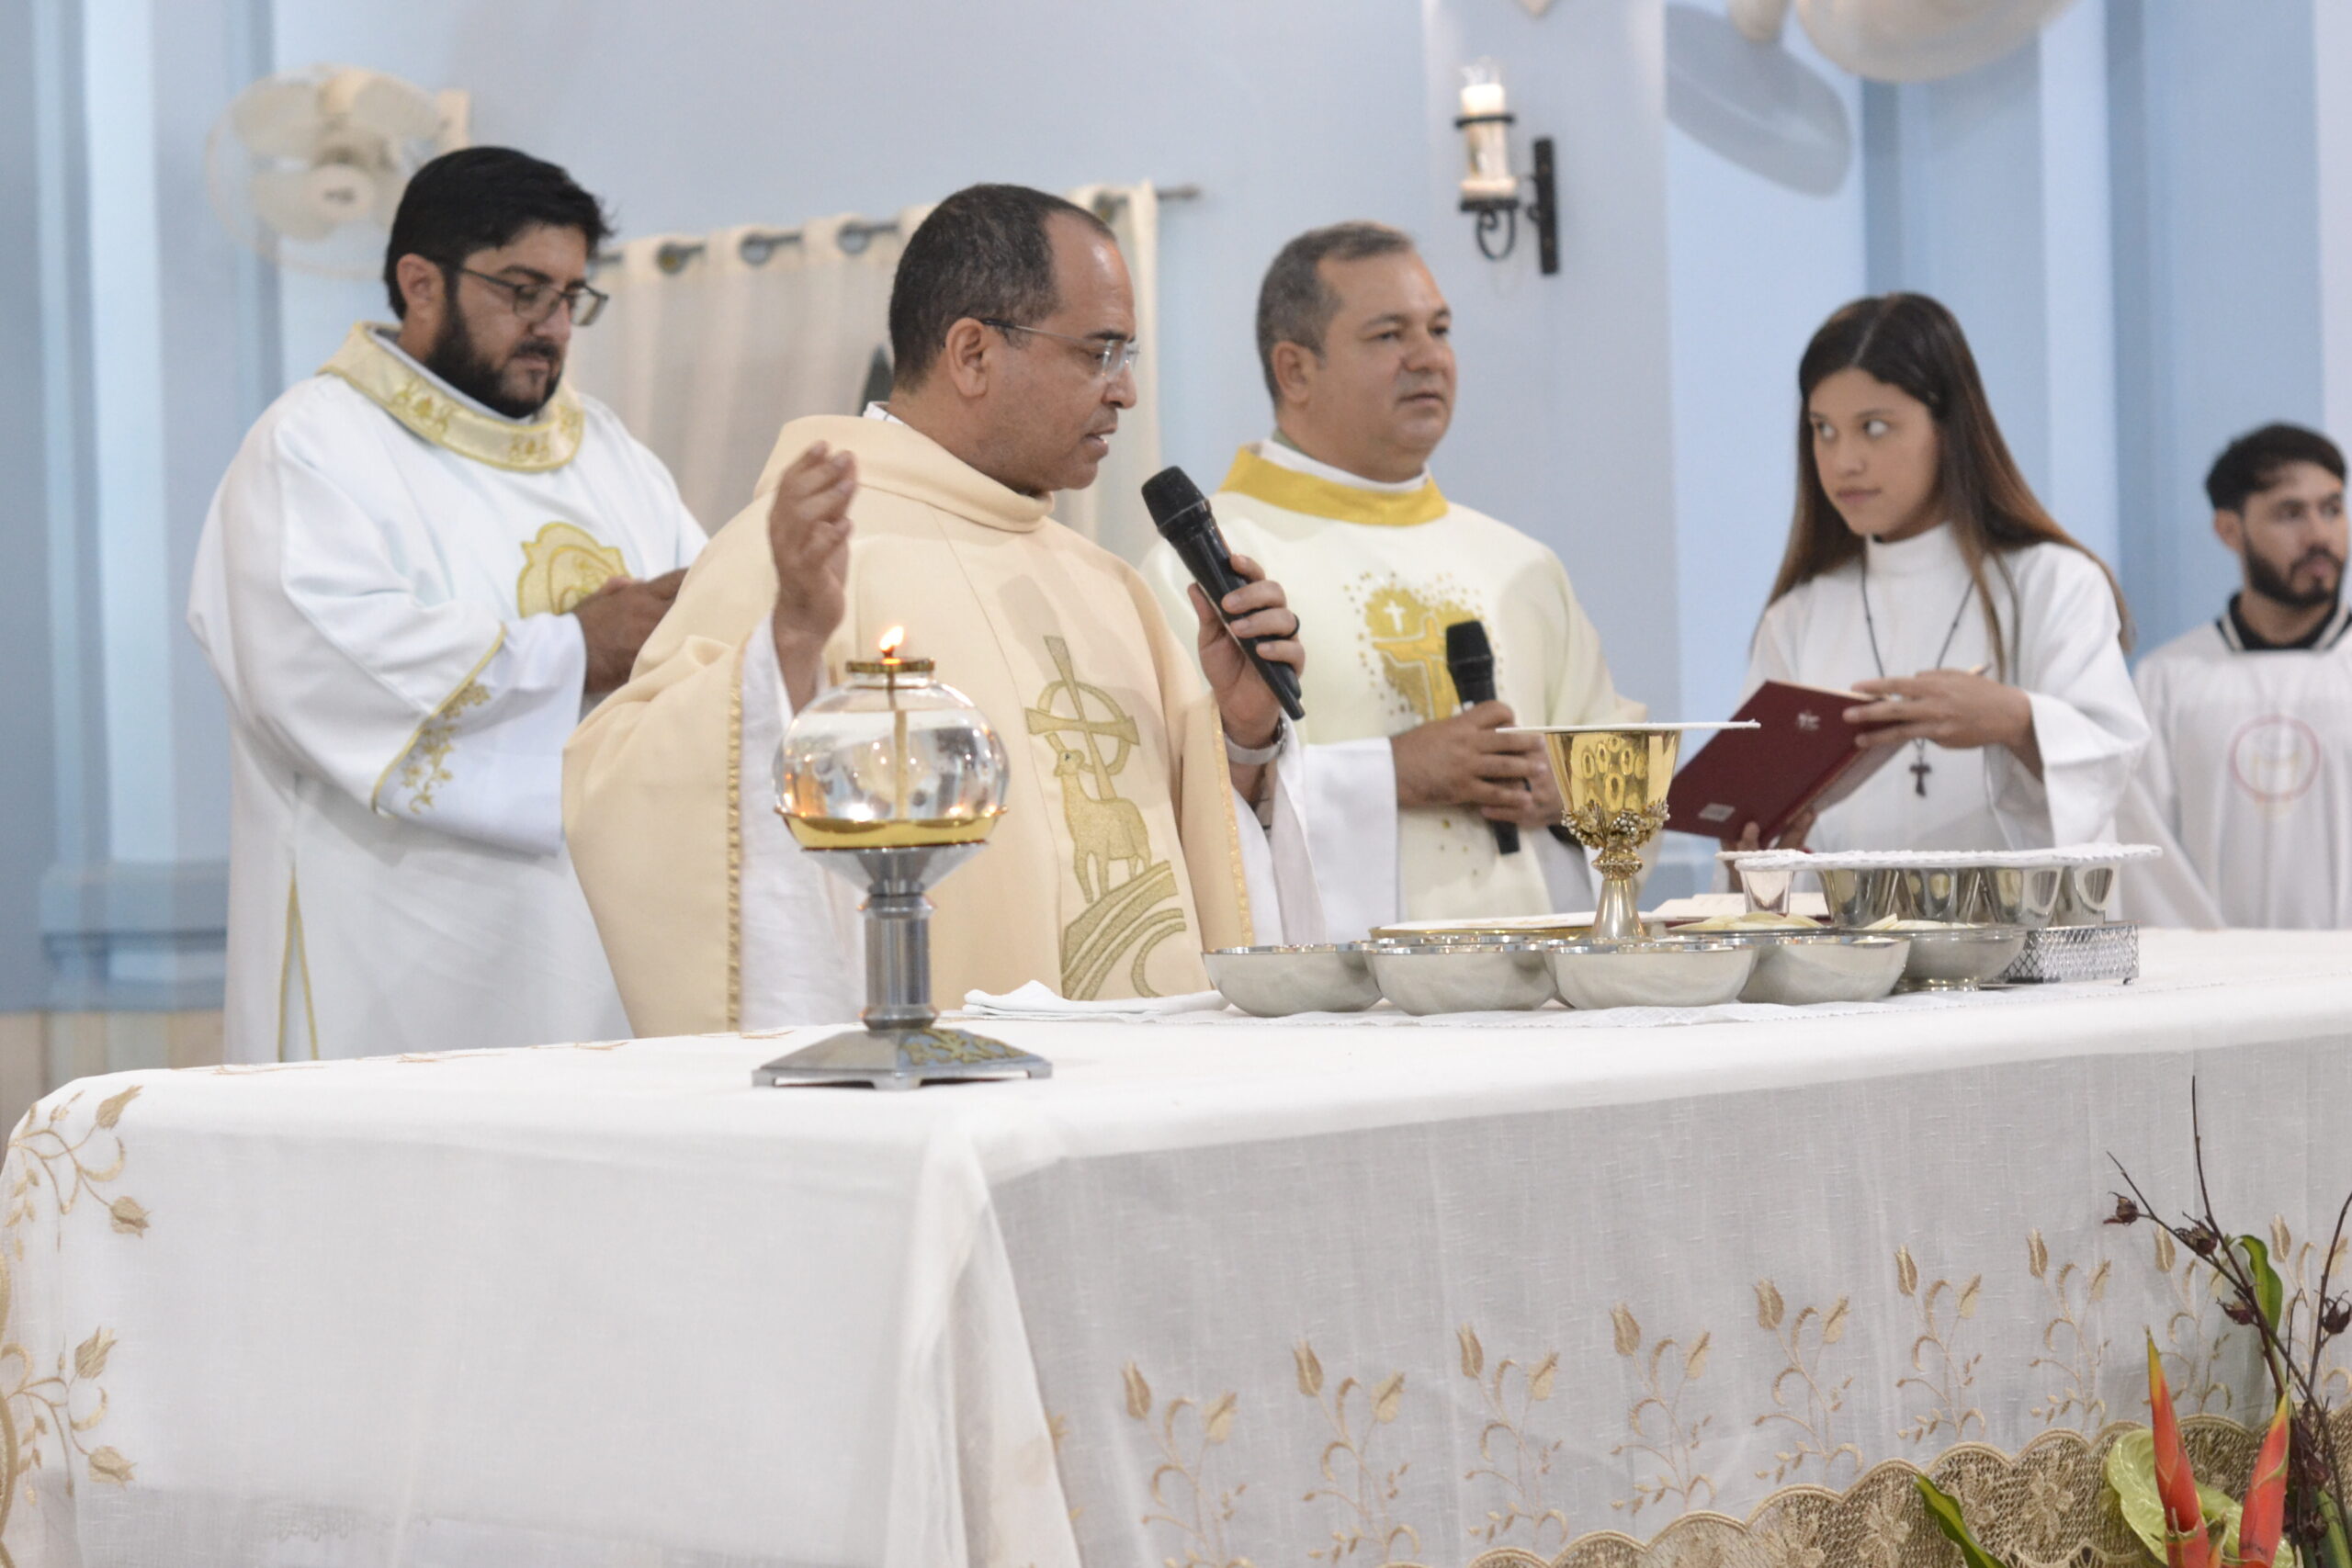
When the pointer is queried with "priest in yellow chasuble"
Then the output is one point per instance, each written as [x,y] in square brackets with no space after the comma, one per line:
[1402,782]
[422,564]
[1148,814]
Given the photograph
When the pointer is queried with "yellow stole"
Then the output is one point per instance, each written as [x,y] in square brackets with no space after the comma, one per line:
[1294,492]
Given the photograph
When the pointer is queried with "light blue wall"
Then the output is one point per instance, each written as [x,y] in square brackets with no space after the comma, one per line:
[1757,261]
[2217,245]
[28,736]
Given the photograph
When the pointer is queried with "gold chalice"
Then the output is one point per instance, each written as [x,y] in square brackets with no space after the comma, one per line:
[1613,779]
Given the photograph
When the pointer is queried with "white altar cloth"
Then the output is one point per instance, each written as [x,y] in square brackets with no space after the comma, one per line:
[1430,1290]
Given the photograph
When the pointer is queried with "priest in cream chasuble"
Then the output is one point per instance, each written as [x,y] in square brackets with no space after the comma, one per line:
[1123,851]
[408,596]
[1338,505]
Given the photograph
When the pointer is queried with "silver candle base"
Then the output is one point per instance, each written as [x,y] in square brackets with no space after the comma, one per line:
[901,1058]
[901,1045]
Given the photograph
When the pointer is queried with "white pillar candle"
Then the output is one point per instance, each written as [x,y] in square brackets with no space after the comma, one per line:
[1487,139]
[1482,97]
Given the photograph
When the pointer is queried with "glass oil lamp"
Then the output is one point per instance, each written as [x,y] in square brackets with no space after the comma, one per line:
[894,779]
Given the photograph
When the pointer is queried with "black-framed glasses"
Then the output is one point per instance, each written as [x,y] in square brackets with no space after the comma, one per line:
[1113,356]
[535,302]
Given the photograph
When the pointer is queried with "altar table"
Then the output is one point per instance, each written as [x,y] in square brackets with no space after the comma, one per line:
[1505,1290]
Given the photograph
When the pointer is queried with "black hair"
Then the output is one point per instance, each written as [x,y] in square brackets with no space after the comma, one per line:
[478,199]
[983,254]
[2251,464]
[1295,305]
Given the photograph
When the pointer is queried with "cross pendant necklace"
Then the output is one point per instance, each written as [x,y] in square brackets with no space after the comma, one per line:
[1920,766]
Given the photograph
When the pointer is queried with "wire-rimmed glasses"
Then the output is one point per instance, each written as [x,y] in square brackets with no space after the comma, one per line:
[1113,356]
[536,301]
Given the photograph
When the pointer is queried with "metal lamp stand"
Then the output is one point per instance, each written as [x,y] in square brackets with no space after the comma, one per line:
[901,1044]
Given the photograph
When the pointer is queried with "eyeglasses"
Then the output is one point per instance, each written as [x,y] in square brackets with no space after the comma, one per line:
[535,302]
[1113,356]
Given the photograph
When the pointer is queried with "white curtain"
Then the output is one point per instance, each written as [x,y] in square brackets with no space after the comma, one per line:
[714,341]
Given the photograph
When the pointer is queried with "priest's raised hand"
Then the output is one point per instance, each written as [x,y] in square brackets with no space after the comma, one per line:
[809,530]
[1253,716]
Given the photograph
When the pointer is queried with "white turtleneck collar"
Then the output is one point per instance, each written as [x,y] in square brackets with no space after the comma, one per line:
[1279,450]
[1937,550]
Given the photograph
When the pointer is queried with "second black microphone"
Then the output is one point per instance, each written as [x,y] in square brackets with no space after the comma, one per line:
[1470,659]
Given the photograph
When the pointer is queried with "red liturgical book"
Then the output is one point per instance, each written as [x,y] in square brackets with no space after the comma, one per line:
[1802,755]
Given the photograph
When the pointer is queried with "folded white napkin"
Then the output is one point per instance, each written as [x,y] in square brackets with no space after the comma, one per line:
[1037,1000]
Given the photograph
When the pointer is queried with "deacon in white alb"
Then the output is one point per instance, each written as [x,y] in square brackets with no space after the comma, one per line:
[1403,782]
[422,566]
[2247,781]
[1922,572]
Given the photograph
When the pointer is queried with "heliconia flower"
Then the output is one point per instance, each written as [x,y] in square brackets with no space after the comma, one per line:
[2266,1496]
[2186,1542]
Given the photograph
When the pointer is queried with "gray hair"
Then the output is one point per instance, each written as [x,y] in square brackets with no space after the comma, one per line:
[1295,305]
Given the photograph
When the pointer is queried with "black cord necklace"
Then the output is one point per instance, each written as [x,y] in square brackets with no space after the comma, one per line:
[1920,766]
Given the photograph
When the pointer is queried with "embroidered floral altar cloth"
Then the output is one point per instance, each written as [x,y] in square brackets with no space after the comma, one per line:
[1219,1291]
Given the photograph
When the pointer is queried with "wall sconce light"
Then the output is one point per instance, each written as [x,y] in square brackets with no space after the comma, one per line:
[1489,188]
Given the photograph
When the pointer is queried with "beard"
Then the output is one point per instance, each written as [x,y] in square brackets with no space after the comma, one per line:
[2279,586]
[455,360]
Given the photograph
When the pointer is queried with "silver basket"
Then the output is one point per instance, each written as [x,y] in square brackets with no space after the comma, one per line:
[2078,953]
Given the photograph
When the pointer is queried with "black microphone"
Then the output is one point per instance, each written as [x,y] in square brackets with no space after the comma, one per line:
[1182,515]
[1470,659]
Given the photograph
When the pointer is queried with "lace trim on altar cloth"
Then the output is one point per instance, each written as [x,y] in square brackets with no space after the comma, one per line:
[2046,1506]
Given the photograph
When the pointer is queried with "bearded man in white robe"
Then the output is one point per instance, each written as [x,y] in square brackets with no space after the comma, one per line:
[1148,814]
[2247,778]
[424,563]
[1405,782]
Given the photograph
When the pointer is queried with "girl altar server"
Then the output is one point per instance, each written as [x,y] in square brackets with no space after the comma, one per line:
[1922,573]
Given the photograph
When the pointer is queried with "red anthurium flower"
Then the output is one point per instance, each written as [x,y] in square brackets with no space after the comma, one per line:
[2186,1542]
[2266,1497]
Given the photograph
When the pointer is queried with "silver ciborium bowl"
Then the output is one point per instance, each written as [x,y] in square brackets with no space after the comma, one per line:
[1423,979]
[1801,968]
[1274,982]
[1684,971]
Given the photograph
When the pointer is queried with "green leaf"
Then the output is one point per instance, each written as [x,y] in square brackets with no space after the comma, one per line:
[2269,1294]
[1944,1510]
[2335,1551]
[2130,1473]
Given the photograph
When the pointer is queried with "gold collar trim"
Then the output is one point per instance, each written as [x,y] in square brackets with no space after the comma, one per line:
[548,442]
[1292,491]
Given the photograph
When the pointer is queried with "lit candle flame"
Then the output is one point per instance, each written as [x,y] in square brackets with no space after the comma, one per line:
[891,640]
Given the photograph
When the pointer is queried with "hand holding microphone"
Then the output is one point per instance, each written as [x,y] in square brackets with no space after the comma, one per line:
[1182,515]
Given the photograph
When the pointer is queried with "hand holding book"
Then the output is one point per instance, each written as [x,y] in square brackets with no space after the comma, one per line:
[1815,744]
[1957,709]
